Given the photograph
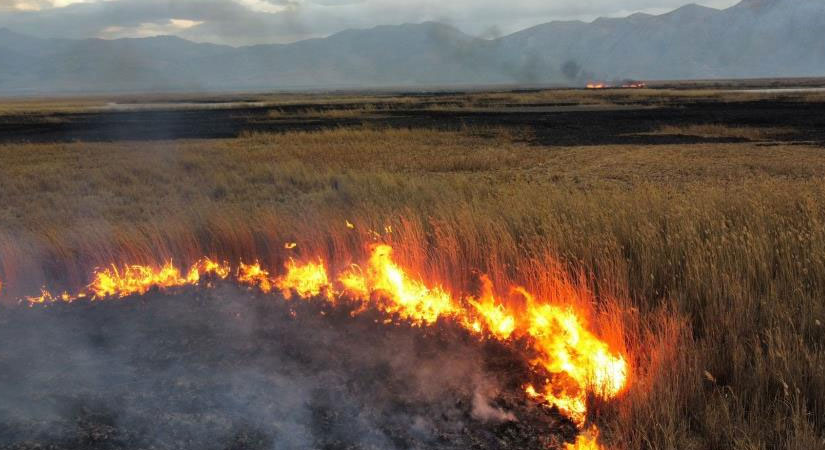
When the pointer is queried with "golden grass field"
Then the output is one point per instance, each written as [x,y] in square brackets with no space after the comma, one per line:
[709,257]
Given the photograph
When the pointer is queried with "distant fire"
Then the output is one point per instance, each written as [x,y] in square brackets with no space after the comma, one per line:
[629,84]
[598,86]
[634,85]
[578,361]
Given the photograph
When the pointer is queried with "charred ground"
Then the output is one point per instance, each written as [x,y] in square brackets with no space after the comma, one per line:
[554,118]
[229,369]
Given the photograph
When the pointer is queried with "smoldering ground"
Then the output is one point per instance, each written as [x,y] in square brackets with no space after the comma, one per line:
[226,368]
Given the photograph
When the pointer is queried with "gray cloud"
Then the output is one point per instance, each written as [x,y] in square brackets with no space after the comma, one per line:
[243,22]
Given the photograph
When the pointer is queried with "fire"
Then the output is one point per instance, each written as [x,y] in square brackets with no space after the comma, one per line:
[577,361]
[499,322]
[128,280]
[568,348]
[47,297]
[306,280]
[253,275]
[625,85]
[635,85]
[131,280]
[588,440]
[207,268]
[395,291]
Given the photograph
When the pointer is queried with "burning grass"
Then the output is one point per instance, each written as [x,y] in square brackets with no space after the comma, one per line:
[571,360]
[704,264]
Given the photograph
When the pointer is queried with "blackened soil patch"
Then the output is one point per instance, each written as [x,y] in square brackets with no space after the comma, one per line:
[565,127]
[228,369]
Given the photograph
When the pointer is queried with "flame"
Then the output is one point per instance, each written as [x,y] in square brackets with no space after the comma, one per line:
[568,348]
[208,268]
[114,282]
[255,276]
[46,297]
[626,85]
[306,280]
[587,440]
[635,85]
[136,279]
[577,361]
[395,291]
[499,322]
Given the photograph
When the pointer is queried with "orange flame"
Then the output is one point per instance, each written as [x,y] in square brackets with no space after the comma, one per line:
[131,280]
[568,348]
[395,291]
[635,85]
[587,440]
[253,275]
[577,360]
[306,280]
[138,279]
[47,297]
[499,321]
[208,268]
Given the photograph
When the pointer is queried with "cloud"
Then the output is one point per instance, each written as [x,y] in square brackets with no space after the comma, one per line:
[243,22]
[37,5]
[148,29]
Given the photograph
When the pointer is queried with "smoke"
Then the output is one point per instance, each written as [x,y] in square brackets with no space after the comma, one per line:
[487,57]
[571,70]
[483,410]
[575,73]
[229,369]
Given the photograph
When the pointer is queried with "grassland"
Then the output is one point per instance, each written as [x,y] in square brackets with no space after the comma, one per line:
[710,257]
[347,104]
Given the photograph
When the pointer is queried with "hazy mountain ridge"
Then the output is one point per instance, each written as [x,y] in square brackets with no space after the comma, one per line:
[755,38]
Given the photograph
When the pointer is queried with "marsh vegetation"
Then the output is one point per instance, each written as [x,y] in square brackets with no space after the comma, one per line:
[708,256]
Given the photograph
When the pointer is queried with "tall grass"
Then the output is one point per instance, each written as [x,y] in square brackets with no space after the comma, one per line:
[711,259]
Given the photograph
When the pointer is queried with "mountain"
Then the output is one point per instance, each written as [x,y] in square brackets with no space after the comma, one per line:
[755,38]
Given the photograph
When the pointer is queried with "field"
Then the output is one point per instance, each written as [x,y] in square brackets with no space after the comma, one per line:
[690,223]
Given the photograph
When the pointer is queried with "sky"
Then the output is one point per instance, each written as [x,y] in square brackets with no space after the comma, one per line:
[247,22]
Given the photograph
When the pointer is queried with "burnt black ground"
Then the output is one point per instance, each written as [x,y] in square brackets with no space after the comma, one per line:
[229,369]
[556,128]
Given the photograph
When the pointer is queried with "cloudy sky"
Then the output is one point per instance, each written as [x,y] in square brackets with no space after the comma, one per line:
[243,22]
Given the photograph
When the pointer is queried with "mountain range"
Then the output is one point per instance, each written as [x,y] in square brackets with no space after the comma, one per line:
[755,38]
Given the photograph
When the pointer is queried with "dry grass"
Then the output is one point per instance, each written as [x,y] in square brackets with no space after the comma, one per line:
[710,257]
[41,106]
[345,105]
[725,131]
[358,110]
